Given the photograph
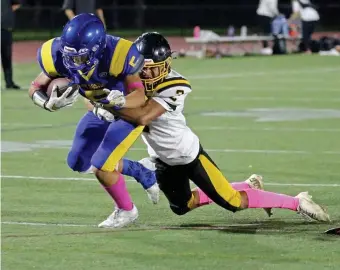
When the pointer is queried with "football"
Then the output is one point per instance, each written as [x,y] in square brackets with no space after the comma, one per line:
[63,84]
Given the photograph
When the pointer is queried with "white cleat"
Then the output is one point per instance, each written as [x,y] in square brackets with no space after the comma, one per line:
[255,182]
[311,210]
[153,193]
[120,218]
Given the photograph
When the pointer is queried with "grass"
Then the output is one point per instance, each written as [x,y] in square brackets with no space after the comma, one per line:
[299,153]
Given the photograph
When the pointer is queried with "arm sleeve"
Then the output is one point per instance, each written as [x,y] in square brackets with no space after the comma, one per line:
[134,61]
[48,59]
[126,59]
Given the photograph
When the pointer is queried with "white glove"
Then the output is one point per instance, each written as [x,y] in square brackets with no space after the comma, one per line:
[103,114]
[55,103]
[115,98]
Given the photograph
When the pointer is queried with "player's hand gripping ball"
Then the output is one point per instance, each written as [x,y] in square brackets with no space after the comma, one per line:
[61,94]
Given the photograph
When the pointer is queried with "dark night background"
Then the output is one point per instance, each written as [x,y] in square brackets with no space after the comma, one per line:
[178,14]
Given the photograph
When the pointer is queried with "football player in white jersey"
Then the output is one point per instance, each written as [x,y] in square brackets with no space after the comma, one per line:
[178,154]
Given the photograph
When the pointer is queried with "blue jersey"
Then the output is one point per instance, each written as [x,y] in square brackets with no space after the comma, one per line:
[120,58]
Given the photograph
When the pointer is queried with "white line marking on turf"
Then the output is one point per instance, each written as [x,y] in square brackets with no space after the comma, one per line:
[265,88]
[130,180]
[26,125]
[52,178]
[231,128]
[261,151]
[45,224]
[124,229]
[262,73]
[336,100]
[267,129]
[247,151]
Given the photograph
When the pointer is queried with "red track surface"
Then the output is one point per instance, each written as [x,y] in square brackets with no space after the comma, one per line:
[25,51]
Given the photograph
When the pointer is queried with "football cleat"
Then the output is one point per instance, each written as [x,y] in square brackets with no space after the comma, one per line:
[255,182]
[311,210]
[120,218]
[153,193]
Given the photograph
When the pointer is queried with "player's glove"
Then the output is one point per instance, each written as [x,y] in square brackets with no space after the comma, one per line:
[55,103]
[103,114]
[115,99]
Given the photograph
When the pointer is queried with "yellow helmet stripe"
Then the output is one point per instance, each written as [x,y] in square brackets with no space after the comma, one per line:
[119,56]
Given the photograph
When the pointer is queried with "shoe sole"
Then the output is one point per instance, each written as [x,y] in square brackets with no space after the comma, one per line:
[307,217]
[120,226]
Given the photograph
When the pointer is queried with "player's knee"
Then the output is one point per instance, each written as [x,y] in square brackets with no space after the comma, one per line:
[180,211]
[76,163]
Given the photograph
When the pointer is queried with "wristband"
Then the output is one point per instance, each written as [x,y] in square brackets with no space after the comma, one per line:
[40,98]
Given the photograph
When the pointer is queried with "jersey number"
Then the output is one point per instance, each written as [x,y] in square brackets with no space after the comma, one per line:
[178,93]
[132,61]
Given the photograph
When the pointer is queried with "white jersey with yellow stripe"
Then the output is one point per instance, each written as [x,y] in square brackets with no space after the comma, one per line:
[168,137]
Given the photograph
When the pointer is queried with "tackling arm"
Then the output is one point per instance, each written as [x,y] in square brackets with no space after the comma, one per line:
[136,96]
[142,115]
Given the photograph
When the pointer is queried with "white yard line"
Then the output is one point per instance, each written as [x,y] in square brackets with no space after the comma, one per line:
[199,88]
[45,224]
[18,124]
[52,178]
[133,181]
[205,98]
[221,128]
[262,151]
[246,151]
[267,129]
[141,227]
[289,72]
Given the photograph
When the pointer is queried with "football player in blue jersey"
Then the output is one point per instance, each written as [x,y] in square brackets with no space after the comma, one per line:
[99,64]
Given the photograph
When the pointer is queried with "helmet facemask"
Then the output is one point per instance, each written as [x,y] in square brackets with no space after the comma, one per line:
[154,73]
[83,60]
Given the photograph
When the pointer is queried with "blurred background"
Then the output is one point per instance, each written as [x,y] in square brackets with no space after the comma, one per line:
[175,17]
[200,29]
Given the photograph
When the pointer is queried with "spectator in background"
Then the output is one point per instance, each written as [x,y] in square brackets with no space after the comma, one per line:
[266,11]
[75,7]
[8,8]
[280,31]
[309,16]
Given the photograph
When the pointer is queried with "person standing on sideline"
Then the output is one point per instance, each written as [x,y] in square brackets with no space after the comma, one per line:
[309,16]
[266,11]
[75,7]
[8,8]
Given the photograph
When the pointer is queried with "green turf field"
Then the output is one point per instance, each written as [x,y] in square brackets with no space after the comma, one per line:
[276,116]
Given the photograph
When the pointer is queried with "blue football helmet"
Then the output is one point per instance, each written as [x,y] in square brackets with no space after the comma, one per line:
[82,42]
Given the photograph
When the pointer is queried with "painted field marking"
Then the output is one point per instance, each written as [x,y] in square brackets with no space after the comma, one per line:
[267,129]
[215,128]
[205,98]
[289,72]
[133,181]
[45,224]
